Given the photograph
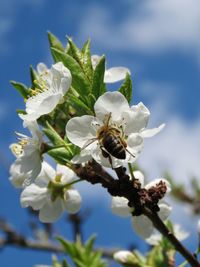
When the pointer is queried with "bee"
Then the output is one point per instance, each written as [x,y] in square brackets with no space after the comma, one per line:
[111,141]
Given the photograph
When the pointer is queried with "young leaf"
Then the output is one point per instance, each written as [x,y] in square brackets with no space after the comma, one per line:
[33,75]
[126,88]
[21,88]
[89,244]
[65,264]
[76,52]
[61,154]
[79,105]
[98,87]
[86,57]
[53,136]
[79,81]
[55,43]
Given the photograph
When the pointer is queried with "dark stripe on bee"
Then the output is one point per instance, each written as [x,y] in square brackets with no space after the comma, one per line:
[114,146]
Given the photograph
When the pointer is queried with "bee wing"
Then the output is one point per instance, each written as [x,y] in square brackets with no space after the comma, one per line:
[89,142]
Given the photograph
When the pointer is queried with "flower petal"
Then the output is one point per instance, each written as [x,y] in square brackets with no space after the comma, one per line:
[73,201]
[41,68]
[111,102]
[61,77]
[97,155]
[154,239]
[157,181]
[134,147]
[67,174]
[123,256]
[46,175]
[30,165]
[139,175]
[151,132]
[83,157]
[17,178]
[95,60]
[136,118]
[33,196]
[142,225]
[120,206]
[51,211]
[79,130]
[180,233]
[115,74]
[165,211]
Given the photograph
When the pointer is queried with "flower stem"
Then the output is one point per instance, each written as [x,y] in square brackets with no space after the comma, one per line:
[131,171]
[95,174]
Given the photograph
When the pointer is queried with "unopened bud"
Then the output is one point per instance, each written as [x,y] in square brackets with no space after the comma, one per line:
[123,256]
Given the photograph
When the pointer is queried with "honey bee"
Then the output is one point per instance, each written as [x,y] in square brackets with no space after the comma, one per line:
[111,141]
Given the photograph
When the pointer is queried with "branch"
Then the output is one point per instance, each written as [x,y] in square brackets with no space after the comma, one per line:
[139,198]
[12,238]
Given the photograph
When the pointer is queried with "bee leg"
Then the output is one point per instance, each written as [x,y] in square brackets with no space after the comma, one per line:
[106,155]
[110,161]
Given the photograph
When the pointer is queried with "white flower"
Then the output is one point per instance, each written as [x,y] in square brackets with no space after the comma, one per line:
[156,237]
[113,74]
[141,224]
[52,193]
[123,256]
[198,227]
[52,84]
[124,126]
[27,151]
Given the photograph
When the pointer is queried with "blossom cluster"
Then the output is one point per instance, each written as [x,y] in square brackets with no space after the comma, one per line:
[100,126]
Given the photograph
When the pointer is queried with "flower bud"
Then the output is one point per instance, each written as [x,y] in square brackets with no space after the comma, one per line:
[123,256]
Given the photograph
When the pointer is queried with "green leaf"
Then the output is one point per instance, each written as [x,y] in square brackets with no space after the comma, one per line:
[65,264]
[86,58]
[79,80]
[55,43]
[61,154]
[89,244]
[79,105]
[83,58]
[98,86]
[126,88]
[75,51]
[83,255]
[21,111]
[21,88]
[33,75]
[53,136]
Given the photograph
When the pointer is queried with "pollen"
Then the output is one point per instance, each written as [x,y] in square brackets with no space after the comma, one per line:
[40,86]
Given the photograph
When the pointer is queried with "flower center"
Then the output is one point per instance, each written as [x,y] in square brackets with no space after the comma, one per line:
[57,188]
[41,84]
[18,148]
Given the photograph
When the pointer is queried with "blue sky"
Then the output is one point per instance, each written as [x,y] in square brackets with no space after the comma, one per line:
[158,41]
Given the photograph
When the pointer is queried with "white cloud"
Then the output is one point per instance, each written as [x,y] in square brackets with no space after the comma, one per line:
[148,25]
[176,149]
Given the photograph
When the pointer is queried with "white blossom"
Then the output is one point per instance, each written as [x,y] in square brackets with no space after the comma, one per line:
[52,193]
[113,74]
[123,256]
[114,116]
[51,85]
[141,224]
[27,151]
[156,237]
[198,227]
